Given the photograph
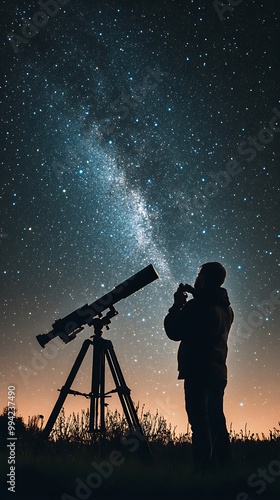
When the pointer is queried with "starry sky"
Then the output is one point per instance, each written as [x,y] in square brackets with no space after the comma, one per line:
[136,133]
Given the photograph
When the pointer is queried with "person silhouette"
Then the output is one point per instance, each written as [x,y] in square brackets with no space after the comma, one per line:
[202,324]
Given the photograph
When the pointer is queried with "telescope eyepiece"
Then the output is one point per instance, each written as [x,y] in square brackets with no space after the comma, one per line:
[43,339]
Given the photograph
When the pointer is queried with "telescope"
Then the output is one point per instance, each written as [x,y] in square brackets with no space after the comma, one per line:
[68,327]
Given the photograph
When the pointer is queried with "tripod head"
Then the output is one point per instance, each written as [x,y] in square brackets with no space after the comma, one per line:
[99,323]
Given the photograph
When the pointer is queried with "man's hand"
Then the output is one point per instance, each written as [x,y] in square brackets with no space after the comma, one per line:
[180,296]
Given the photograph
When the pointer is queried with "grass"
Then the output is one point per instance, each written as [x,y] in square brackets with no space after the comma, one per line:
[54,470]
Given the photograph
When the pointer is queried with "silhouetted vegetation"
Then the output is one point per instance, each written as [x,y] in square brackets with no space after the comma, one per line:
[48,470]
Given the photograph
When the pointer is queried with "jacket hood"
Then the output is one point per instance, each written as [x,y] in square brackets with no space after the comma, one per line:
[218,296]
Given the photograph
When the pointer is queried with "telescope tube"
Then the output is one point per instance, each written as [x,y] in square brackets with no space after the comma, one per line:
[68,327]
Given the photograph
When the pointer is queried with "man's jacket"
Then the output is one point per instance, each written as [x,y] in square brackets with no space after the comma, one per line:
[202,325]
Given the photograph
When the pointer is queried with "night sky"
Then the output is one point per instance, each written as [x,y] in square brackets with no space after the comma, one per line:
[135,133]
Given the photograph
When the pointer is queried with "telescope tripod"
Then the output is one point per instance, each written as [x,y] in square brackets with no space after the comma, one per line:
[102,350]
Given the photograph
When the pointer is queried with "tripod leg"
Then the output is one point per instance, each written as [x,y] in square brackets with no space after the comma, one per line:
[65,390]
[125,399]
[97,399]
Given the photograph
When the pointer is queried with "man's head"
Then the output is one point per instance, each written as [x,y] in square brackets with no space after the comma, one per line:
[211,275]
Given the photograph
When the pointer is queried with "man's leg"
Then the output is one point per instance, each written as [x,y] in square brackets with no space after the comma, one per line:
[196,396]
[219,432]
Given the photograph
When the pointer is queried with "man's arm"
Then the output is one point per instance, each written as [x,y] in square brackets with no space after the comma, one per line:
[173,325]
[173,321]
[179,320]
